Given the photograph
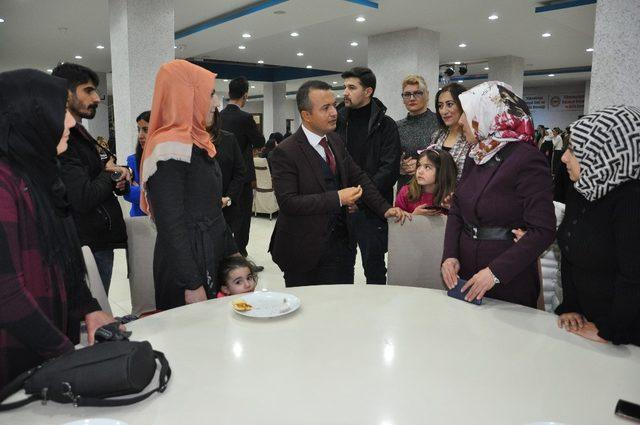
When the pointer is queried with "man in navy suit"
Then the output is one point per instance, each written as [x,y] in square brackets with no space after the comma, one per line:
[242,125]
[315,181]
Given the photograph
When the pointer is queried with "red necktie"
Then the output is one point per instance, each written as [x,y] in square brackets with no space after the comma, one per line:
[331,160]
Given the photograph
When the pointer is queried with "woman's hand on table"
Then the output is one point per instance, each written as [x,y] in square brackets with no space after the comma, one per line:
[479,284]
[95,320]
[590,332]
[571,322]
[195,295]
[449,269]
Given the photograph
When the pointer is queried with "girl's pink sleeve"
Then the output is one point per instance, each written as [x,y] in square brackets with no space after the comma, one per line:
[401,198]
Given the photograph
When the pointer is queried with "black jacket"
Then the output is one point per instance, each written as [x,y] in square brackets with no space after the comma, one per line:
[382,162]
[231,164]
[95,208]
[242,125]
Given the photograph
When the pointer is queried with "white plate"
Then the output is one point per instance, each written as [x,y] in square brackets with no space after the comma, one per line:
[269,304]
[96,421]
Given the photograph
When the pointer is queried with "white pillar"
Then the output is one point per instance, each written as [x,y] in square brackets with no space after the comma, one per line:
[394,55]
[275,96]
[616,55]
[142,39]
[587,89]
[99,125]
[508,69]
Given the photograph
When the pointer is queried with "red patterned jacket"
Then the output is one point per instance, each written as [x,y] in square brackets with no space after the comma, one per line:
[39,315]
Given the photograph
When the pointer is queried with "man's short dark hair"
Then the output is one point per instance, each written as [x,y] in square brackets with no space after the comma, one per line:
[302,97]
[144,116]
[238,87]
[365,75]
[75,75]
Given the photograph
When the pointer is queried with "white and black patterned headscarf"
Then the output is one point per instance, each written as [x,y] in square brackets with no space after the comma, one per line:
[607,146]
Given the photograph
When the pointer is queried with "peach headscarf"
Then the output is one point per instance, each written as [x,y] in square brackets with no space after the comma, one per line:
[181,101]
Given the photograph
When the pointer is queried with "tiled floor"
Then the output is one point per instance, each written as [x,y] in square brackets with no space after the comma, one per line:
[271,277]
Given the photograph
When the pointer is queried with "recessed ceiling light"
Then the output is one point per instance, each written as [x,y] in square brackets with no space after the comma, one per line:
[334,82]
[260,61]
[456,63]
[78,57]
[462,45]
[49,70]
[309,67]
[552,75]
[546,34]
[338,96]
[175,47]
[300,54]
[225,80]
[242,47]
[354,44]
[590,49]
[1,20]
[253,87]
[486,68]
[349,60]
[460,81]
[493,17]
[360,19]
[99,47]
[294,34]
[246,35]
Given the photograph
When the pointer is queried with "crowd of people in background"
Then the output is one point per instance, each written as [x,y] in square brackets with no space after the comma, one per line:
[348,169]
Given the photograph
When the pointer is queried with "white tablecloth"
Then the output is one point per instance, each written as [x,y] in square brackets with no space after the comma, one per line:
[372,355]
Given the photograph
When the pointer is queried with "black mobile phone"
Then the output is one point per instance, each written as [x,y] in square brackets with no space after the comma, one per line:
[628,410]
[441,210]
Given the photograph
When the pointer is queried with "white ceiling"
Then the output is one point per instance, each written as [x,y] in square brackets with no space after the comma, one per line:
[31,35]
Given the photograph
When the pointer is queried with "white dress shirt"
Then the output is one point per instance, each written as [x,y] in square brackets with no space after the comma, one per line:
[314,141]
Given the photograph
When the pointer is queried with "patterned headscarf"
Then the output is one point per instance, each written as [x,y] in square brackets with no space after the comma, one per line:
[497,117]
[607,146]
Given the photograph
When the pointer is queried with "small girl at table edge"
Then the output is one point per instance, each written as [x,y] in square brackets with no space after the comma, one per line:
[236,275]
[432,184]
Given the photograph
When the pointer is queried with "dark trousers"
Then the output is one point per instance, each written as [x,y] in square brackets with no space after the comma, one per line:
[371,235]
[104,261]
[335,266]
[239,218]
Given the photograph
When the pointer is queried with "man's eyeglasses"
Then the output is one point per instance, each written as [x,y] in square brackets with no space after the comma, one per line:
[415,94]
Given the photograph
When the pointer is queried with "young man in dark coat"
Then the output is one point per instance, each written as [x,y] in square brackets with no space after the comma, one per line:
[89,178]
[373,141]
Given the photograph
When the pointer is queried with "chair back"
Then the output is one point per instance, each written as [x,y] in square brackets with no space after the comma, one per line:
[415,252]
[141,235]
[264,201]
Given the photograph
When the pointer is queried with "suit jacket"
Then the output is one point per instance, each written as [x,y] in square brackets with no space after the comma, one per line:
[301,234]
[231,164]
[242,125]
[512,190]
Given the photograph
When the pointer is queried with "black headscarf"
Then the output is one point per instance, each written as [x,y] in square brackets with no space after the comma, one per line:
[32,111]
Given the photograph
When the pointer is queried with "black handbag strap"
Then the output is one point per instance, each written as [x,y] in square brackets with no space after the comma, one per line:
[13,387]
[16,384]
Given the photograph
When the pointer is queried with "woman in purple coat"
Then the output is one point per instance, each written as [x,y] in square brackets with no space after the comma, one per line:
[506,184]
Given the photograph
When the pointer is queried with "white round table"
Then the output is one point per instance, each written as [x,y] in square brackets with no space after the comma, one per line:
[378,355]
